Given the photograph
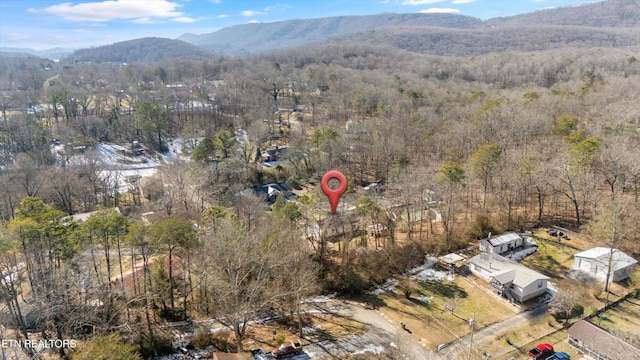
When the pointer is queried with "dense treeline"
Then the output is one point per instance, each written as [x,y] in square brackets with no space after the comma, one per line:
[460,147]
[471,42]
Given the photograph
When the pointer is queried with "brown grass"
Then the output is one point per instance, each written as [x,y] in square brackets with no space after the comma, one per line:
[433,325]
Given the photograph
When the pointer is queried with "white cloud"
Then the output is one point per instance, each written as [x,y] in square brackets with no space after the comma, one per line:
[277,7]
[184,19]
[222,16]
[250,13]
[253,22]
[462,1]
[440,11]
[215,1]
[116,9]
[420,2]
[143,20]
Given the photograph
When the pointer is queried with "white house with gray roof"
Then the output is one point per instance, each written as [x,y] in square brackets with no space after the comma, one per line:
[501,243]
[516,282]
[596,262]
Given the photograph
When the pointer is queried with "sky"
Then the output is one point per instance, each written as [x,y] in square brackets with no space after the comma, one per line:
[46,24]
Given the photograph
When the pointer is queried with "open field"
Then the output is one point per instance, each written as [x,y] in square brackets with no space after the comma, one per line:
[431,323]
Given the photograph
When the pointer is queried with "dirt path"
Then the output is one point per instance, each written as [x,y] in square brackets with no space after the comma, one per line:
[381,327]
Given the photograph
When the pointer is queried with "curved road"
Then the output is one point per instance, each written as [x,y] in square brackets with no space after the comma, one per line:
[390,336]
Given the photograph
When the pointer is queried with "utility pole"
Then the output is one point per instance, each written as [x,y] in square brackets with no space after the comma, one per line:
[472,323]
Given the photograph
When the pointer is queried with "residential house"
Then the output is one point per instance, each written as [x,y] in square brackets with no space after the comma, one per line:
[509,278]
[270,192]
[501,243]
[602,260]
[597,343]
[81,217]
[334,228]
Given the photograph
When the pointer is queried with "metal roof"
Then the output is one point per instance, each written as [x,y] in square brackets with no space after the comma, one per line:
[504,239]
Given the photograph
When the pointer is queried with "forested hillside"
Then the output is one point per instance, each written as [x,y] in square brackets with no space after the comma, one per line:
[608,14]
[264,37]
[438,41]
[612,23]
[144,50]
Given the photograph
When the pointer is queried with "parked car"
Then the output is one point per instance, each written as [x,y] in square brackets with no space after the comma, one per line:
[559,356]
[286,349]
[259,354]
[558,233]
[542,351]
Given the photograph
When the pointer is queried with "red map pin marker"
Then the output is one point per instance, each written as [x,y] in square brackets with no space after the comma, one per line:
[333,195]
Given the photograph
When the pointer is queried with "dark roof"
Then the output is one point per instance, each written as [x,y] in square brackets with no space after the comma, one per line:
[271,191]
[601,341]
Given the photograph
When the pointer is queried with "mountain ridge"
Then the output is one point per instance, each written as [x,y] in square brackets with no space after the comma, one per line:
[147,49]
[261,37]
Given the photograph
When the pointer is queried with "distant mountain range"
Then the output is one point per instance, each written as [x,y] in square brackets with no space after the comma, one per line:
[54,54]
[444,34]
[611,23]
[262,37]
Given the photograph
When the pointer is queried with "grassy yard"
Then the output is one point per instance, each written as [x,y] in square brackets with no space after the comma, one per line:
[623,319]
[431,323]
[517,342]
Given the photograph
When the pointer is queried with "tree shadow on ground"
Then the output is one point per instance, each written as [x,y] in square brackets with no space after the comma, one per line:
[443,288]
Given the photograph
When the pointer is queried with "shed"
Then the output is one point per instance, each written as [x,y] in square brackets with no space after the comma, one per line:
[599,260]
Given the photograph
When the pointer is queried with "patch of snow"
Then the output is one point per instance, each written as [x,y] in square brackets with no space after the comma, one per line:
[371,348]
[424,299]
[519,255]
[311,329]
[387,286]
[428,263]
[320,299]
[433,275]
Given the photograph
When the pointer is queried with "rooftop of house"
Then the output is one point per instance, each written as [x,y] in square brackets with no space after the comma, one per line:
[505,270]
[503,239]
[603,342]
[601,254]
[85,216]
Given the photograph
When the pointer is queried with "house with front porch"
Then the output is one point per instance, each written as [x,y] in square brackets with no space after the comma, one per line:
[510,279]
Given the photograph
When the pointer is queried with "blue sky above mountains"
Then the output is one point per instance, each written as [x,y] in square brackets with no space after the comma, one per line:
[41,24]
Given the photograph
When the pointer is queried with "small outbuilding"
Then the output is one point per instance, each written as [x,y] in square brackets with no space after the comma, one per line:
[501,243]
[601,261]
